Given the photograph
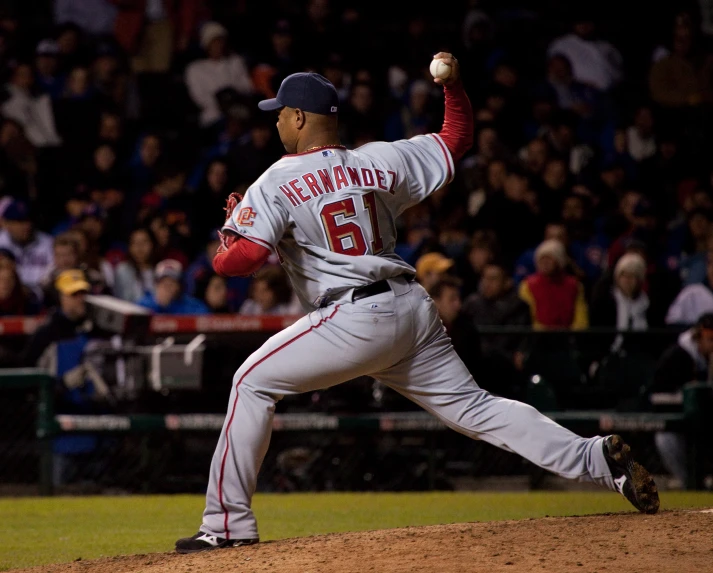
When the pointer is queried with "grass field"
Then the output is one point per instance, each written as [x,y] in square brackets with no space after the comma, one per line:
[37,531]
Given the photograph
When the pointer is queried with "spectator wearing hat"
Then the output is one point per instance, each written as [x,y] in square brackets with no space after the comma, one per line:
[33,112]
[67,322]
[58,346]
[581,261]
[169,296]
[220,69]
[431,267]
[33,249]
[47,76]
[626,306]
[556,299]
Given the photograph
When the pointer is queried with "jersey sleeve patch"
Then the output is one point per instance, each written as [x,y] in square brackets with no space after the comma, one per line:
[246,215]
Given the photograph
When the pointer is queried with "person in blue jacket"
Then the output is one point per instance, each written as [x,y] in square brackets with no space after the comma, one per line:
[169,296]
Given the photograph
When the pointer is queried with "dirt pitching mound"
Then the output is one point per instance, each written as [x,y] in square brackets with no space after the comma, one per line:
[675,541]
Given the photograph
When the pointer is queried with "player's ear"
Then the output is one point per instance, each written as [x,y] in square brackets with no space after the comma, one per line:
[300,118]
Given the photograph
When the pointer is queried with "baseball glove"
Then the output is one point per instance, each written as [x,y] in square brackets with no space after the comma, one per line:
[230,204]
[227,237]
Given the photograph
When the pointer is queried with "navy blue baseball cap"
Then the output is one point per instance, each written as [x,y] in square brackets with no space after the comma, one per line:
[17,211]
[307,91]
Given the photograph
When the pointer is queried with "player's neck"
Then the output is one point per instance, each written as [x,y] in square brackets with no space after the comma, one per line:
[325,140]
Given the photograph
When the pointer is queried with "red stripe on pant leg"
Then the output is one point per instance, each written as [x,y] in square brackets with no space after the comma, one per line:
[235,404]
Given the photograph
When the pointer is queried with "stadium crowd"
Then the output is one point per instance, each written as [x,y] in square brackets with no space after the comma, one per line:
[586,200]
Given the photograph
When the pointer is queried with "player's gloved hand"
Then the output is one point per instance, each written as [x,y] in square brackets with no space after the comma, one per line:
[227,238]
[230,204]
[449,59]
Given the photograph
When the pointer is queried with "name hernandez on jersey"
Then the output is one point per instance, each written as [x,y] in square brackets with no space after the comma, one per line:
[330,213]
[341,176]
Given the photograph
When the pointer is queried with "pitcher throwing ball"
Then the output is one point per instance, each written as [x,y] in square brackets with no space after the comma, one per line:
[329,214]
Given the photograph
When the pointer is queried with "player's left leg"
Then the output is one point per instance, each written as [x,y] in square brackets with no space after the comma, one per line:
[435,378]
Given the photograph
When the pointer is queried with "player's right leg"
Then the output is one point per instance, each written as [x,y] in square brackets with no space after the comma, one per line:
[434,377]
[327,347]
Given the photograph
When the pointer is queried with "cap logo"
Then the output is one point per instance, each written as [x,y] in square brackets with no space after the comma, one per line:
[333,109]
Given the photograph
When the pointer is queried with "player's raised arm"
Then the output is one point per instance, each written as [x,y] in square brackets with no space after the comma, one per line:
[457,130]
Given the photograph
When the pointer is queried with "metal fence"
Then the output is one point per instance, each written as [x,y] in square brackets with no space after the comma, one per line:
[358,437]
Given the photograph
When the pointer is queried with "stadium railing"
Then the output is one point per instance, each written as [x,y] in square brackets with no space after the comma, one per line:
[692,415]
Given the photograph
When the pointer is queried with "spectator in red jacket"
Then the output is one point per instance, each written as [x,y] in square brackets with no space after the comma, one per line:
[556,299]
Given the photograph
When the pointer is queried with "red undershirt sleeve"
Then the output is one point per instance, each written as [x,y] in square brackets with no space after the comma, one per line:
[242,259]
[457,130]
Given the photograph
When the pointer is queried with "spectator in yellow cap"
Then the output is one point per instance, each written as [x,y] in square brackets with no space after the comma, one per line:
[72,285]
[66,325]
[431,267]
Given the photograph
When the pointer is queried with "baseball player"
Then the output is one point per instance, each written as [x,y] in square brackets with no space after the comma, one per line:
[328,213]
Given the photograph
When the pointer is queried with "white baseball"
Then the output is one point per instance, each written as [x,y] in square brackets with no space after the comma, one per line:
[439,69]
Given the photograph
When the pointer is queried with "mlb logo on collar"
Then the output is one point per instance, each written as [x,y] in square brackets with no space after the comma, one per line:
[328,153]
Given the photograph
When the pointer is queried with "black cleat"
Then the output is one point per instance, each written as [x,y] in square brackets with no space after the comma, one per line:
[631,479]
[205,542]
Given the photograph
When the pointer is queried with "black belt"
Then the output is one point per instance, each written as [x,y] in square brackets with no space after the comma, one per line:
[371,290]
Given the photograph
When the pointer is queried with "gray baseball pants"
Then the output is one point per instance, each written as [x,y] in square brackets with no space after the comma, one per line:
[396,337]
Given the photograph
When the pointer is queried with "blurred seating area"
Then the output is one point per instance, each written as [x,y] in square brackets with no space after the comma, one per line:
[581,219]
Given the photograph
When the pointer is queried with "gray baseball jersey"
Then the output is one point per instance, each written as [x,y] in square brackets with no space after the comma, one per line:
[330,214]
